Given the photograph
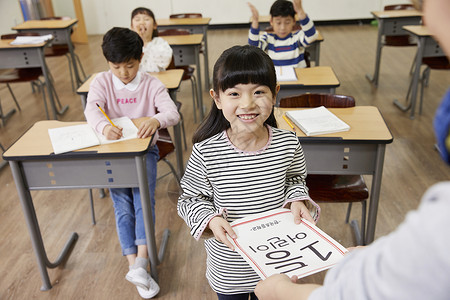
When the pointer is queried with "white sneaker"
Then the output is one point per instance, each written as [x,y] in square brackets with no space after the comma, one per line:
[151,292]
[139,277]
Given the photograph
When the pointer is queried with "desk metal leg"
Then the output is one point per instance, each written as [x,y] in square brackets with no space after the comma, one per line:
[375,195]
[205,58]
[411,102]
[374,79]
[199,83]
[73,58]
[177,141]
[317,50]
[148,219]
[34,231]
[50,87]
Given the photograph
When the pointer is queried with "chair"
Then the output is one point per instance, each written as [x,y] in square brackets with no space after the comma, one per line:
[188,70]
[165,146]
[334,188]
[186,16]
[431,63]
[3,163]
[6,116]
[25,75]
[63,50]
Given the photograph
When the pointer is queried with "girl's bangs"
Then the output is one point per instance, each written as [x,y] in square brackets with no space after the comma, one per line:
[247,70]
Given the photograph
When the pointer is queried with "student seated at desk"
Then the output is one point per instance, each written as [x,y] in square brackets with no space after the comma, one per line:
[126,91]
[157,52]
[284,47]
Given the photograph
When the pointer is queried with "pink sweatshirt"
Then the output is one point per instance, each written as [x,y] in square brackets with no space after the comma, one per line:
[149,99]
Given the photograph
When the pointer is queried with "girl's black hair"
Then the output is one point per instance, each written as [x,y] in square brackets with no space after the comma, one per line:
[282,8]
[148,12]
[237,65]
[122,44]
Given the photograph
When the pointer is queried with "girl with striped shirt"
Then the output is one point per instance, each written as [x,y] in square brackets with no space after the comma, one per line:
[241,164]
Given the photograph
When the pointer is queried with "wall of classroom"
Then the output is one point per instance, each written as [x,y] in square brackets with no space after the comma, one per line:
[101,15]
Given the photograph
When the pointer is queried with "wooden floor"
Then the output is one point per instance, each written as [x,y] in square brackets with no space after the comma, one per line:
[96,269]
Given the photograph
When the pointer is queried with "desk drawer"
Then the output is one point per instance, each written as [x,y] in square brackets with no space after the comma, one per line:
[86,173]
[340,158]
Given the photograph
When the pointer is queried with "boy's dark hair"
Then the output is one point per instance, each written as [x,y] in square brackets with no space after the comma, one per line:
[148,12]
[237,65]
[122,44]
[282,8]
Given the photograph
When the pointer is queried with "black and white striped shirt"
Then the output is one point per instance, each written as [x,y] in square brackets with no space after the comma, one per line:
[222,180]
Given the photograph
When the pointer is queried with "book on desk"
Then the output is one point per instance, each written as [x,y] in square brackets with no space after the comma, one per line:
[318,120]
[285,74]
[70,138]
[272,243]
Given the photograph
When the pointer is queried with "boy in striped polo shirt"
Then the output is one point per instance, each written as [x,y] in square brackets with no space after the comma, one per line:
[285,47]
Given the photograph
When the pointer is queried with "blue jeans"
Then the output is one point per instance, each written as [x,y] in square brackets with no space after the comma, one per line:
[237,296]
[128,209]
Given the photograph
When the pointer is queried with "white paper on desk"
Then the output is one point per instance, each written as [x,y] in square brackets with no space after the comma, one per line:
[70,138]
[27,40]
[129,131]
[272,244]
[286,74]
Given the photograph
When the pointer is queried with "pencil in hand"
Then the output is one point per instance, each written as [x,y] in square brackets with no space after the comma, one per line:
[105,115]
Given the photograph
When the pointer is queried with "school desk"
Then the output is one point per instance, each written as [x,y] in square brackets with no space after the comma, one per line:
[390,22]
[171,79]
[313,49]
[116,165]
[321,79]
[186,51]
[194,25]
[427,47]
[61,31]
[359,151]
[29,56]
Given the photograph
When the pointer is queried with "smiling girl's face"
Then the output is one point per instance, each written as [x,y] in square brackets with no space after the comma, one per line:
[245,106]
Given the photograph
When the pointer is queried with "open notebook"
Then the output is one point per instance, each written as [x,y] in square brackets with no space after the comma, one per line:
[318,120]
[69,138]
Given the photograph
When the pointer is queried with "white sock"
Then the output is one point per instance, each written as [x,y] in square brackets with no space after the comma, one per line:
[140,263]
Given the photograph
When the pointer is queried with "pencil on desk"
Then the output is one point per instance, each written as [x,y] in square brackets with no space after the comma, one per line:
[106,115]
[289,122]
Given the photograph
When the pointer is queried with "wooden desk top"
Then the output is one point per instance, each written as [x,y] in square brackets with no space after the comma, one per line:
[366,124]
[170,78]
[36,143]
[6,44]
[183,21]
[418,30]
[386,14]
[183,40]
[314,76]
[45,24]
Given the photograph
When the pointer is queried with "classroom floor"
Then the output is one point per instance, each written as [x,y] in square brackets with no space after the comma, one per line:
[96,269]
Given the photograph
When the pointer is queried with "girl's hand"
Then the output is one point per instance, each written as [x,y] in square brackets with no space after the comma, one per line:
[255,15]
[112,133]
[299,210]
[220,227]
[148,127]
